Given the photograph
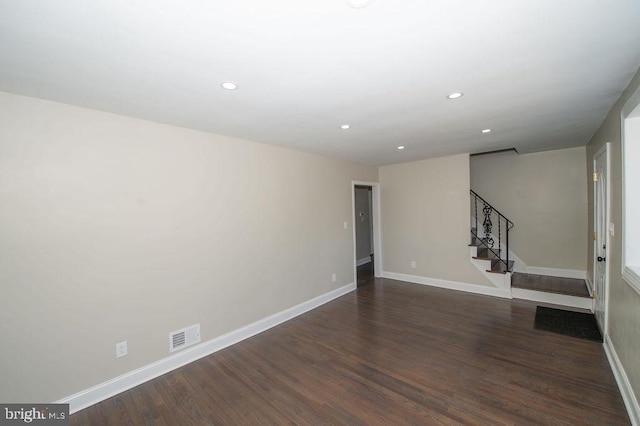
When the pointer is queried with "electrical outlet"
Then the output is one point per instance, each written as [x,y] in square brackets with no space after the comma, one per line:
[121,349]
[413,264]
[333,278]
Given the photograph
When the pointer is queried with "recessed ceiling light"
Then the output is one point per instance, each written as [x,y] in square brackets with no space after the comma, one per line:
[455,95]
[358,3]
[345,126]
[401,147]
[486,131]
[229,85]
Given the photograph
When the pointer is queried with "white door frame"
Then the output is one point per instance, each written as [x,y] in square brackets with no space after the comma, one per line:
[377,234]
[604,150]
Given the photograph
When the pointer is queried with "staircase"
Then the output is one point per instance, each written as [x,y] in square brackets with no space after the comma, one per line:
[489,252]
[484,252]
[489,247]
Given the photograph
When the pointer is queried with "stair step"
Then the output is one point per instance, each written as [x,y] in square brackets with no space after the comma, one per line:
[479,242]
[485,257]
[498,267]
[485,253]
[543,283]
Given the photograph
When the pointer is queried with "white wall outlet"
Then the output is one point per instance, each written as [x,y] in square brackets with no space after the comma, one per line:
[121,349]
[346,225]
[333,278]
[413,264]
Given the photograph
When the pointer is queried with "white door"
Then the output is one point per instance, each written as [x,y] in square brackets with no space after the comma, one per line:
[601,224]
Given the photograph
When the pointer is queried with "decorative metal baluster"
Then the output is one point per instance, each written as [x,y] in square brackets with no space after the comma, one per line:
[475,201]
[488,225]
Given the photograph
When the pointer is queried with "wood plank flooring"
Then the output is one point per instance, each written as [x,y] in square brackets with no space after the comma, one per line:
[365,274]
[388,353]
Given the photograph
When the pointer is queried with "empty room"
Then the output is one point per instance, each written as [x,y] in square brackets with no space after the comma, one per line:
[319,212]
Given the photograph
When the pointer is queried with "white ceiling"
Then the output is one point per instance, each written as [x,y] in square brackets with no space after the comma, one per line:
[541,73]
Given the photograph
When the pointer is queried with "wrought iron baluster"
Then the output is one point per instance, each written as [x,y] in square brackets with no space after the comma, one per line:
[487,224]
[475,201]
[499,238]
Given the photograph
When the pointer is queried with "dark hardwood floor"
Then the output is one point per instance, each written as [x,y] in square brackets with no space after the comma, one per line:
[388,353]
[365,274]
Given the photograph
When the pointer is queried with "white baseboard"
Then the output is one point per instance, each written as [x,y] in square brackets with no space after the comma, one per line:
[363,261]
[553,298]
[451,285]
[630,400]
[556,272]
[136,377]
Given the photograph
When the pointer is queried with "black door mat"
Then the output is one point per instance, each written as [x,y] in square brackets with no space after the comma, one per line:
[569,323]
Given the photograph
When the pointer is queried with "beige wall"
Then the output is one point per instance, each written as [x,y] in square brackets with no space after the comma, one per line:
[425,217]
[545,195]
[623,302]
[113,228]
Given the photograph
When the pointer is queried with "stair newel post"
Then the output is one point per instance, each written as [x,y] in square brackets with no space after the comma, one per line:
[507,244]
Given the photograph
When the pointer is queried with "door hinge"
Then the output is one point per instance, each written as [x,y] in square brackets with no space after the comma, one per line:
[595,236]
[595,176]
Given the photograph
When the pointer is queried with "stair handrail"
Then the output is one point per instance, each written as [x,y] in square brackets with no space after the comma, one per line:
[488,209]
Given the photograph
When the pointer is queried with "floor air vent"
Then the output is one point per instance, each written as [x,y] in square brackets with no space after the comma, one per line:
[182,338]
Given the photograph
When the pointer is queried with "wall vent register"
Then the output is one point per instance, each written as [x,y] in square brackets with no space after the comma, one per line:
[183,338]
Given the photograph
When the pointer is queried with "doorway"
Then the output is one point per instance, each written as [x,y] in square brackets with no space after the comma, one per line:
[366,232]
[601,212]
